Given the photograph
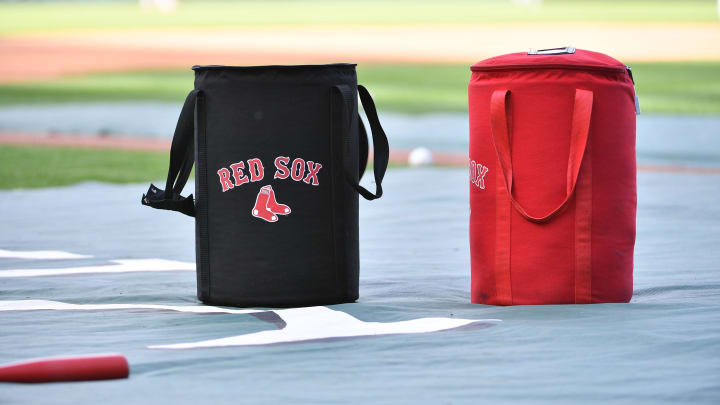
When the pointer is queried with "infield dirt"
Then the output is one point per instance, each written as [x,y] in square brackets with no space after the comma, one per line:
[38,56]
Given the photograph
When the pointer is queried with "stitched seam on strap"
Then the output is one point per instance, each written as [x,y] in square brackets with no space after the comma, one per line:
[583,231]
[503,285]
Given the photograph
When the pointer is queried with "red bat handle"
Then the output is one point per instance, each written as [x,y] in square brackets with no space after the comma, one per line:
[76,368]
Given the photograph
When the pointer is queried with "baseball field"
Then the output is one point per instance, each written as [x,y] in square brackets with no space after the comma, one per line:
[90,93]
[413,55]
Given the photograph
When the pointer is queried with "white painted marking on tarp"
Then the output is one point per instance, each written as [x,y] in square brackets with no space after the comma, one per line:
[302,324]
[39,255]
[121,266]
[315,323]
[35,305]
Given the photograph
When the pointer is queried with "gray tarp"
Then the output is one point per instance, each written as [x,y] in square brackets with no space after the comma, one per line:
[662,347]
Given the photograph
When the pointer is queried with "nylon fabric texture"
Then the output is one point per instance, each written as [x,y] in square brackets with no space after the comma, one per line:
[279,153]
[553,179]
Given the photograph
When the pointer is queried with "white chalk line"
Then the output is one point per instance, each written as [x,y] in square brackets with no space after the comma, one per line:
[302,324]
[39,255]
[119,266]
[36,305]
[318,323]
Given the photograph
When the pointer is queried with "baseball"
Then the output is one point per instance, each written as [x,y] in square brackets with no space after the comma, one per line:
[420,157]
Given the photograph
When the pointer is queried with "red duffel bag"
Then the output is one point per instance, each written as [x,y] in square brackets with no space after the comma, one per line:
[552,178]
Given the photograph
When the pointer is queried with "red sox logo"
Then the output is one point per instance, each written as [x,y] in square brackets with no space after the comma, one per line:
[266,206]
[477,174]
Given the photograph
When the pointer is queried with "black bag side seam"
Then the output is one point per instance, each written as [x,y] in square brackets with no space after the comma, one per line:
[203,270]
[338,245]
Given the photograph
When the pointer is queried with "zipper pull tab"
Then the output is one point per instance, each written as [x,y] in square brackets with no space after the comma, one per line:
[637,100]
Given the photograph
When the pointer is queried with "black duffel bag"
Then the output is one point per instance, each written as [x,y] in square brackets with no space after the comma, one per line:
[278,152]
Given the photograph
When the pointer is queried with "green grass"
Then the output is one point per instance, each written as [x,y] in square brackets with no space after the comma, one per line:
[162,86]
[417,88]
[19,18]
[37,166]
[62,166]
[676,88]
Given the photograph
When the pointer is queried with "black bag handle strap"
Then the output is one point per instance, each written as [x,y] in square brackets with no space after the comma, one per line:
[182,158]
[380,142]
[363,149]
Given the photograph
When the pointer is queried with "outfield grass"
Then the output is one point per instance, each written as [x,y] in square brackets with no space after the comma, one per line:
[77,16]
[38,166]
[675,88]
[62,166]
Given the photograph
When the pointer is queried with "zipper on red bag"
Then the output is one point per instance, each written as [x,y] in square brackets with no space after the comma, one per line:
[614,69]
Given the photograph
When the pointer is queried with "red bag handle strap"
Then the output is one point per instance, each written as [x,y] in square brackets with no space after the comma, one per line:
[500,121]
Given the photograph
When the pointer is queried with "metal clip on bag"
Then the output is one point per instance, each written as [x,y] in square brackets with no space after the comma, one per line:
[553,178]
[278,153]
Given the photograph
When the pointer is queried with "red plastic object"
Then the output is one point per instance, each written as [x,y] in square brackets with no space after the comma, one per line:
[553,179]
[56,369]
